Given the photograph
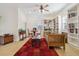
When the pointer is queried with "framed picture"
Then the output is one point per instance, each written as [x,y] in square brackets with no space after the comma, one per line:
[71,30]
[73,14]
[76,30]
[71,27]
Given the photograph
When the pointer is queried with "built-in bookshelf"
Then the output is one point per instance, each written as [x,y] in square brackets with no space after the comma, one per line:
[55,25]
[73,25]
[51,25]
[47,25]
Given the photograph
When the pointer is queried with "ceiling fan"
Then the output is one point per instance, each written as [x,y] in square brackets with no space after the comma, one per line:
[43,8]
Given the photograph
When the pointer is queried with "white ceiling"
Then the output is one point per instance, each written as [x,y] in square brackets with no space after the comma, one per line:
[33,8]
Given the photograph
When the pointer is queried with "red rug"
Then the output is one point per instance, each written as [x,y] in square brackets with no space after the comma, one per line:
[28,50]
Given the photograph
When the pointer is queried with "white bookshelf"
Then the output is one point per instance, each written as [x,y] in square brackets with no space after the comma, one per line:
[53,25]
[73,25]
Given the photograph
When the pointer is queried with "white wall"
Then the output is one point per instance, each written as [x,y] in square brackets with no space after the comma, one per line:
[9,21]
[31,20]
[34,19]
[21,19]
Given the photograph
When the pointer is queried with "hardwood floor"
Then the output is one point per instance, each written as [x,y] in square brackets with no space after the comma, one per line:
[11,48]
[69,51]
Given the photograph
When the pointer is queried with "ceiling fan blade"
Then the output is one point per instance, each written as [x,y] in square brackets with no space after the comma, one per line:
[46,5]
[46,10]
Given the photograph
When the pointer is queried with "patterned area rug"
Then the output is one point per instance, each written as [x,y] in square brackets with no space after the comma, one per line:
[37,50]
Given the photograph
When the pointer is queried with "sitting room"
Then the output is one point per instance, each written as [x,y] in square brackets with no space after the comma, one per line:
[39,29]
